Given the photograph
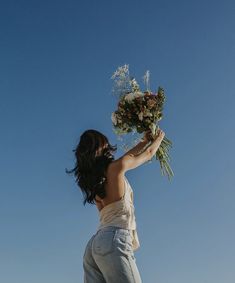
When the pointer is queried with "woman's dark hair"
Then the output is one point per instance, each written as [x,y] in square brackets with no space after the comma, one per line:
[93,155]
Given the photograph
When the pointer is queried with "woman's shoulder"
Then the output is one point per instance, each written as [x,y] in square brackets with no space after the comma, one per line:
[115,167]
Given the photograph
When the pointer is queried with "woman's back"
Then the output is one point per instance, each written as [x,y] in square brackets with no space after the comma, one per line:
[114,185]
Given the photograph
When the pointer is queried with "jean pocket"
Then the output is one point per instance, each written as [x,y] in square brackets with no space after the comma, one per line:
[103,242]
[123,240]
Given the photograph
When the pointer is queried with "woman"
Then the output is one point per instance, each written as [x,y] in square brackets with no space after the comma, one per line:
[109,254]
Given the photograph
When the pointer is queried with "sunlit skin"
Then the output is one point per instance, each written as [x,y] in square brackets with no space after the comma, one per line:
[115,182]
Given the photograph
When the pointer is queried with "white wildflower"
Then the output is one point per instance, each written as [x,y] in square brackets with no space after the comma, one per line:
[121,71]
[140,115]
[129,97]
[114,118]
[148,113]
[134,85]
[138,94]
[146,79]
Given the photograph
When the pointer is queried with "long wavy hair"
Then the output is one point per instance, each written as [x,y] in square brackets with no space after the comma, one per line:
[93,155]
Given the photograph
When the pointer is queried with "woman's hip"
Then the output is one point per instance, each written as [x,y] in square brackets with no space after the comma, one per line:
[113,253]
[112,240]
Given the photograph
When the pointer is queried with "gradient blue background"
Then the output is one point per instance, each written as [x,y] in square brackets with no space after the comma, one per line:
[56,60]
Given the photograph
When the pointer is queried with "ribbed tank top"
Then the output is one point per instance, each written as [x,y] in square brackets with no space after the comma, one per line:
[121,214]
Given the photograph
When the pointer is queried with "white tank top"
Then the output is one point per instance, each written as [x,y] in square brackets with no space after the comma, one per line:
[121,214]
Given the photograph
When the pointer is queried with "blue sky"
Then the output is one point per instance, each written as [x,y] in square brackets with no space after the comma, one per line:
[57,58]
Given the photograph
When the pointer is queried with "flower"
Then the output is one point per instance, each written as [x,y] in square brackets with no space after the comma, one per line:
[138,94]
[121,71]
[151,103]
[140,115]
[114,118]
[134,85]
[129,97]
[146,79]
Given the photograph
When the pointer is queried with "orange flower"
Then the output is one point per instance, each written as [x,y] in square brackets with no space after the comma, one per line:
[151,103]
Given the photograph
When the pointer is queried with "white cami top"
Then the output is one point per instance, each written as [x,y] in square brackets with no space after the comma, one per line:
[121,213]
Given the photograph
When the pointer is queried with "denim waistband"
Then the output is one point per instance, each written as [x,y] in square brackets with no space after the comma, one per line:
[111,228]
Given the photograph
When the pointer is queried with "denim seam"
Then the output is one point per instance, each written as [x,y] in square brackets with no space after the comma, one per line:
[128,258]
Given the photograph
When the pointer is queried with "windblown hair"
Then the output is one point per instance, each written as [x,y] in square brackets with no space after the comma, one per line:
[93,155]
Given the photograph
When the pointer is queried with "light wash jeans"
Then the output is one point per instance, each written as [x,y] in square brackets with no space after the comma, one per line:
[109,257]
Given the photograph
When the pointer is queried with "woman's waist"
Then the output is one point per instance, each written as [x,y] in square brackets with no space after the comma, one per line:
[112,228]
[125,224]
[123,230]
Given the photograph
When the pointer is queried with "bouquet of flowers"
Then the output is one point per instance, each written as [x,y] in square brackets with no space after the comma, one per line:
[140,111]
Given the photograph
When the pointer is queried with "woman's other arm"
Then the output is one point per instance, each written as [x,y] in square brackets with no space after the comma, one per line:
[139,154]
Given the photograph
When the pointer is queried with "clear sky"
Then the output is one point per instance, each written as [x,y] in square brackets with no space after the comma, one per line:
[56,60]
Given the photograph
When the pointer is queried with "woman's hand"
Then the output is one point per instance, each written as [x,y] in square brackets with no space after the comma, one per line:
[147,136]
[160,135]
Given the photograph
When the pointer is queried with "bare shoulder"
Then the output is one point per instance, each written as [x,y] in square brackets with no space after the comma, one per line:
[114,172]
[116,166]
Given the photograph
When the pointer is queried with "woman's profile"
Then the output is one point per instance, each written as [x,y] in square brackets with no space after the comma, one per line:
[109,253]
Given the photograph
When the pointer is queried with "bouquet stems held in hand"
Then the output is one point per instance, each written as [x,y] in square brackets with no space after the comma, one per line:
[162,154]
